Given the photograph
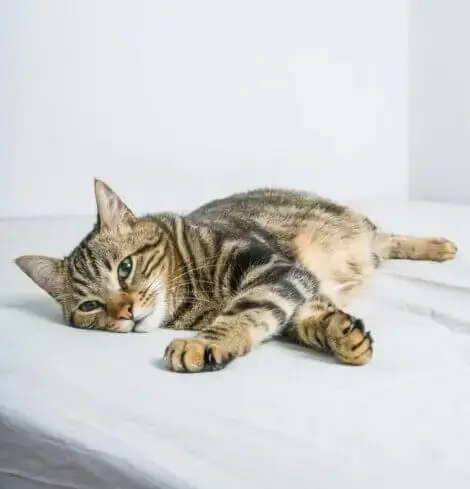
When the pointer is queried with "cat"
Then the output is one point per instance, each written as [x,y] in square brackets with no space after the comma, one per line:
[239,271]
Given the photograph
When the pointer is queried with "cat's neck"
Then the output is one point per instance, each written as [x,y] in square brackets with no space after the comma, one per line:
[176,273]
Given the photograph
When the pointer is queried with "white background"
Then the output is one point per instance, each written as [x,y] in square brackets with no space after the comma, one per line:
[440,100]
[173,103]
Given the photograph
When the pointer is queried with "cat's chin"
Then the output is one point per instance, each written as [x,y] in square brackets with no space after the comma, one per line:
[124,326]
[147,325]
[151,322]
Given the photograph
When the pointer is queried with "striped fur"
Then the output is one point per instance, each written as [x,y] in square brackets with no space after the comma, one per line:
[239,271]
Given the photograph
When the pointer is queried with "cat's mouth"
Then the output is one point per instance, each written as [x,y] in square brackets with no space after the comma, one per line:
[144,324]
[135,323]
[139,321]
[148,319]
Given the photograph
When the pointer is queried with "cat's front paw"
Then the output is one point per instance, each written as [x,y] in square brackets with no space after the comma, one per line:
[193,355]
[348,339]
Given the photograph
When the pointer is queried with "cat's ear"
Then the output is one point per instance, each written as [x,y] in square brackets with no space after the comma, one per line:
[112,212]
[44,271]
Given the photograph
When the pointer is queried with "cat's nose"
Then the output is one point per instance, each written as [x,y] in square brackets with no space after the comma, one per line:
[126,312]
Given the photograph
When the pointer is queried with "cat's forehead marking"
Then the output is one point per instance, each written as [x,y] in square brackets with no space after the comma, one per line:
[112,282]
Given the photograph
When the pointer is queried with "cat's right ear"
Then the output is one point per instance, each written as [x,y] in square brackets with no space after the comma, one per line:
[113,214]
[46,272]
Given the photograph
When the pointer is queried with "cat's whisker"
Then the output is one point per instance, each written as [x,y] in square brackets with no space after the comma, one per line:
[204,265]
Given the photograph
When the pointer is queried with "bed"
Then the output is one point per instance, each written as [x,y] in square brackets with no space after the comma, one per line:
[83,409]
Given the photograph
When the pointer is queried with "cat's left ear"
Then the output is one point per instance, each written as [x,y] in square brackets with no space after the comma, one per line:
[44,271]
[113,214]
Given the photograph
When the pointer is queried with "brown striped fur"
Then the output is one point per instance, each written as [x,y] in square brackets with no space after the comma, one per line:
[239,271]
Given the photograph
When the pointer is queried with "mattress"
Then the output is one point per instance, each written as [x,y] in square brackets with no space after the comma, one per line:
[95,410]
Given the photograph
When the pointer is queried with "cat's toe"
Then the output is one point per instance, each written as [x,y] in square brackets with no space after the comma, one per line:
[216,358]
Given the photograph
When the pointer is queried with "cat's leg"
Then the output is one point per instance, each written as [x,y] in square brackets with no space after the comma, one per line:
[319,324]
[209,350]
[245,324]
[266,301]
[399,247]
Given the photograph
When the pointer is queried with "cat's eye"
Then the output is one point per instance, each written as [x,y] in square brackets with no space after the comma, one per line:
[89,306]
[125,268]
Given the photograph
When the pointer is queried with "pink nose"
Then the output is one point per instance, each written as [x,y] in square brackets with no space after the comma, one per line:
[125,312]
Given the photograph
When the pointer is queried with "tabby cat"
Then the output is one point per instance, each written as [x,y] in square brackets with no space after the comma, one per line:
[239,271]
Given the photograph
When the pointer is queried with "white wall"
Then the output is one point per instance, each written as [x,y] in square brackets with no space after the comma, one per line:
[175,102]
[439,73]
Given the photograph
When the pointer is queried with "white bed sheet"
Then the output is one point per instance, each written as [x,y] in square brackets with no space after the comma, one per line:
[81,409]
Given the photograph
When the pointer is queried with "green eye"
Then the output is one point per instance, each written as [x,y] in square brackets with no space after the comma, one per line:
[88,306]
[125,268]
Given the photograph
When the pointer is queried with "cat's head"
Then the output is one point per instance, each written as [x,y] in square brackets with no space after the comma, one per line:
[115,278]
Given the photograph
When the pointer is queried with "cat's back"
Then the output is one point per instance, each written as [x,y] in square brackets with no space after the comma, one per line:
[277,210]
[329,239]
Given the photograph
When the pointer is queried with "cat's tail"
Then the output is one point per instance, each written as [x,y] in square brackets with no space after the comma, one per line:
[401,247]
